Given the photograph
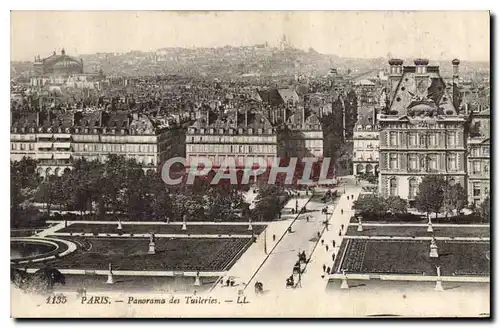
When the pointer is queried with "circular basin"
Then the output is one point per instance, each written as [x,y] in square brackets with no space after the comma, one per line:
[28,249]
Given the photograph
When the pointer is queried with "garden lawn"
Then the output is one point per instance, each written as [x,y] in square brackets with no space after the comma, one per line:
[172,254]
[409,231]
[412,257]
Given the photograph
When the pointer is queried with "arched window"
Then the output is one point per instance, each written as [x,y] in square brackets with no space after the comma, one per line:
[413,189]
[393,187]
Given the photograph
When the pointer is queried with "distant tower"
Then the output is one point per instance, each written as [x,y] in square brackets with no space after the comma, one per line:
[284,43]
[456,71]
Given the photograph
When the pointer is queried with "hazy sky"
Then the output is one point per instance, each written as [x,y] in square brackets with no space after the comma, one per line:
[435,35]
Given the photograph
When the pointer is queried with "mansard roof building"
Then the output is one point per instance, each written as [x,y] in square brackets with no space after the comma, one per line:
[421,130]
[56,138]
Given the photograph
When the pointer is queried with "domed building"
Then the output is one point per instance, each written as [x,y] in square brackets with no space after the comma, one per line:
[58,65]
[59,71]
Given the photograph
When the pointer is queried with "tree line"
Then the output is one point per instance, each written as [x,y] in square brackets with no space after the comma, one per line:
[120,188]
[435,195]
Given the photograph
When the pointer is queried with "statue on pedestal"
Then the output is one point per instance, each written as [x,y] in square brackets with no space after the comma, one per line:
[184,226]
[434,248]
[110,275]
[197,278]
[152,244]
[439,285]
[360,225]
[344,284]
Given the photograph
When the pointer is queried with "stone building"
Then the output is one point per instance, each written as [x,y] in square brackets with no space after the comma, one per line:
[366,146]
[237,134]
[55,139]
[59,71]
[421,131]
[478,156]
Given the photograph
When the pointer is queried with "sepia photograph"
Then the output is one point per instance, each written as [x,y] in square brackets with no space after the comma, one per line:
[250,164]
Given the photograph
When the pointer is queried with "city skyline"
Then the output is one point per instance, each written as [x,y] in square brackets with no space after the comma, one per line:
[345,34]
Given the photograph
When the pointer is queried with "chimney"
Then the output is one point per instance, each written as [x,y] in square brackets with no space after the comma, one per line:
[456,65]
[421,66]
[395,73]
[455,93]
[246,118]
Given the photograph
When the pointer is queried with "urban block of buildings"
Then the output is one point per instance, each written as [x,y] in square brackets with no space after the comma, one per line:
[56,139]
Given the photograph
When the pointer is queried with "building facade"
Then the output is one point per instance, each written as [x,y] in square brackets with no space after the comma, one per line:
[421,131]
[63,71]
[237,135]
[56,139]
[478,156]
[366,145]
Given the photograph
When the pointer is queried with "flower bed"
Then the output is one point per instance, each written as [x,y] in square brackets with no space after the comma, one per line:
[172,254]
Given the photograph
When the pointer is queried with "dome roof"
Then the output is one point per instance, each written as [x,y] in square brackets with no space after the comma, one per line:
[395,61]
[62,64]
[421,61]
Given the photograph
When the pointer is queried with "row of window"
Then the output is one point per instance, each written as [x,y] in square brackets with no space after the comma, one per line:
[89,147]
[83,130]
[424,140]
[412,187]
[421,162]
[228,139]
[230,131]
[115,147]
[479,167]
[480,151]
[246,149]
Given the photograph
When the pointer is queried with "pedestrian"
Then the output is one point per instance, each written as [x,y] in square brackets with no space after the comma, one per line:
[322,241]
[228,282]
[342,227]
[333,243]
[326,247]
[319,235]
[333,257]
[342,211]
[274,237]
[347,197]
[307,218]
[324,268]
[340,232]
[328,270]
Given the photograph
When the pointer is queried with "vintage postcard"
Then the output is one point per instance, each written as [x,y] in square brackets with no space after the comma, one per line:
[250,164]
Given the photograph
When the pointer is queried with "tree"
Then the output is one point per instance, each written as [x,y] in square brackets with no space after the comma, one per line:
[23,183]
[454,199]
[371,205]
[49,191]
[484,209]
[430,194]
[396,204]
